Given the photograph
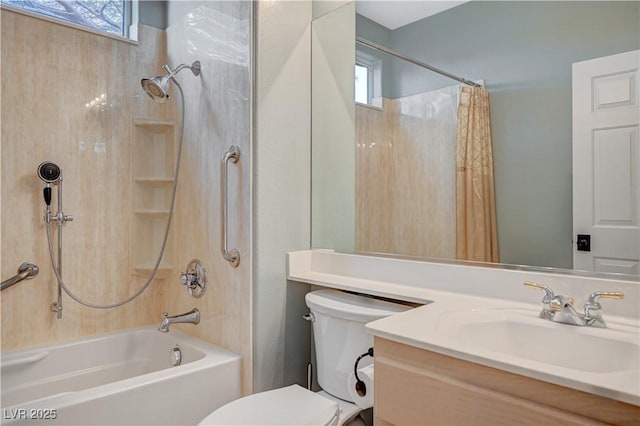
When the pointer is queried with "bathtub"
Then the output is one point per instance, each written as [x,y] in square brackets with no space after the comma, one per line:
[126,378]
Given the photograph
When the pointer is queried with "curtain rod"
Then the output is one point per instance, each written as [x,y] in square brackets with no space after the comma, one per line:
[415,62]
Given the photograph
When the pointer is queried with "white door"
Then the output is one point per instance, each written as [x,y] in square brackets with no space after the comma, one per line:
[606,162]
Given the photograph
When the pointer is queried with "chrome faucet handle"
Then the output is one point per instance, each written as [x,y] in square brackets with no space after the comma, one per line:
[592,307]
[194,278]
[549,294]
[186,278]
[547,311]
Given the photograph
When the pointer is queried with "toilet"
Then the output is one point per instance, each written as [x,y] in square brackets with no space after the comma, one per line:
[340,337]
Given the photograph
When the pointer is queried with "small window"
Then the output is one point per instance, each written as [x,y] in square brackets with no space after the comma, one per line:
[109,16]
[362,84]
[368,80]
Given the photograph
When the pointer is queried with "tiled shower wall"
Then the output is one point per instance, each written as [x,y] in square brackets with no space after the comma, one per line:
[405,175]
[50,75]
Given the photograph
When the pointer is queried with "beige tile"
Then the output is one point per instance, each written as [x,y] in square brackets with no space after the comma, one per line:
[49,74]
[405,175]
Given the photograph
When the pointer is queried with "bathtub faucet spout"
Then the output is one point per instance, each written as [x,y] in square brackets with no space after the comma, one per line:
[192,317]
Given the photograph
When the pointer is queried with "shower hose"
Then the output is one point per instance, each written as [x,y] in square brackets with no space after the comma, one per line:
[164,240]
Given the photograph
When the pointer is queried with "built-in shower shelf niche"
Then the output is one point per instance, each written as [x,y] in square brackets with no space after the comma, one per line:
[153,178]
[155,149]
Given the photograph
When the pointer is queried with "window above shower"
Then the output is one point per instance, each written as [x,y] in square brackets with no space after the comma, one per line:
[362,78]
[368,80]
[105,17]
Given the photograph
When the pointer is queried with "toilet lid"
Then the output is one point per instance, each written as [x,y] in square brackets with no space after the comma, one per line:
[292,405]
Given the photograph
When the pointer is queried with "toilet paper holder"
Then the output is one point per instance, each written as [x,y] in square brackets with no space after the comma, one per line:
[361,388]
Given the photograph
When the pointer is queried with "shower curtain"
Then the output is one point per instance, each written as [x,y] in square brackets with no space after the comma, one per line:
[476,233]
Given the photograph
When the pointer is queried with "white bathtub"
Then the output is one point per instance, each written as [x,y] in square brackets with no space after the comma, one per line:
[124,378]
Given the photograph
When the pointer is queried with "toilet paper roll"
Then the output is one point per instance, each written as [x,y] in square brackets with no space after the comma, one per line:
[366,375]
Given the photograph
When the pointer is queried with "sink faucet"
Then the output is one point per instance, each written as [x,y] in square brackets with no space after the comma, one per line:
[192,317]
[559,308]
[563,311]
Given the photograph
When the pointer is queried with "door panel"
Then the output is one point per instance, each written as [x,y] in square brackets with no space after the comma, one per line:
[606,161]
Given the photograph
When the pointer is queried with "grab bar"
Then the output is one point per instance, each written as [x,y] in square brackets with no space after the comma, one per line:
[26,271]
[232,256]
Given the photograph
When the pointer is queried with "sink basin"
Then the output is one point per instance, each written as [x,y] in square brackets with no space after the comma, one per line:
[521,334]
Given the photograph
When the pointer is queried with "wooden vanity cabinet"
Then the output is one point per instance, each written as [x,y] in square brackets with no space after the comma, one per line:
[414,386]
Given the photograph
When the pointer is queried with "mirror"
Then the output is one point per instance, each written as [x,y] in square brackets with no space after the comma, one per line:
[523,53]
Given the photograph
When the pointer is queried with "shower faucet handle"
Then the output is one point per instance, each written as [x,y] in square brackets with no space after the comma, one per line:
[194,278]
[187,278]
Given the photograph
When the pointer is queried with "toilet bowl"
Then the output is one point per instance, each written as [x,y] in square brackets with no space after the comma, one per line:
[340,337]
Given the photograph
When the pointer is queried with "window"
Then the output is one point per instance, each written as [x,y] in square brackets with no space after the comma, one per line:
[108,16]
[368,80]
[362,84]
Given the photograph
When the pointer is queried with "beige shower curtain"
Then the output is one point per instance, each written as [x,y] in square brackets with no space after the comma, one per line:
[476,233]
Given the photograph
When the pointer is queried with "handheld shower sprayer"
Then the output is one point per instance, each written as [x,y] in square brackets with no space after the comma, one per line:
[49,173]
[158,87]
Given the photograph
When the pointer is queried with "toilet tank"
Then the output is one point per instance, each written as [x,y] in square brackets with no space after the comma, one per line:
[340,336]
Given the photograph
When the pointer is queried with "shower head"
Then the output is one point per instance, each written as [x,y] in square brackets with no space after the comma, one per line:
[158,87]
[49,172]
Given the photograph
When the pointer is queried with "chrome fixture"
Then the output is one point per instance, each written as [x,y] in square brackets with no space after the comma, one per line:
[559,308]
[546,312]
[176,356]
[26,271]
[191,317]
[372,45]
[194,278]
[158,87]
[593,309]
[50,173]
[232,256]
